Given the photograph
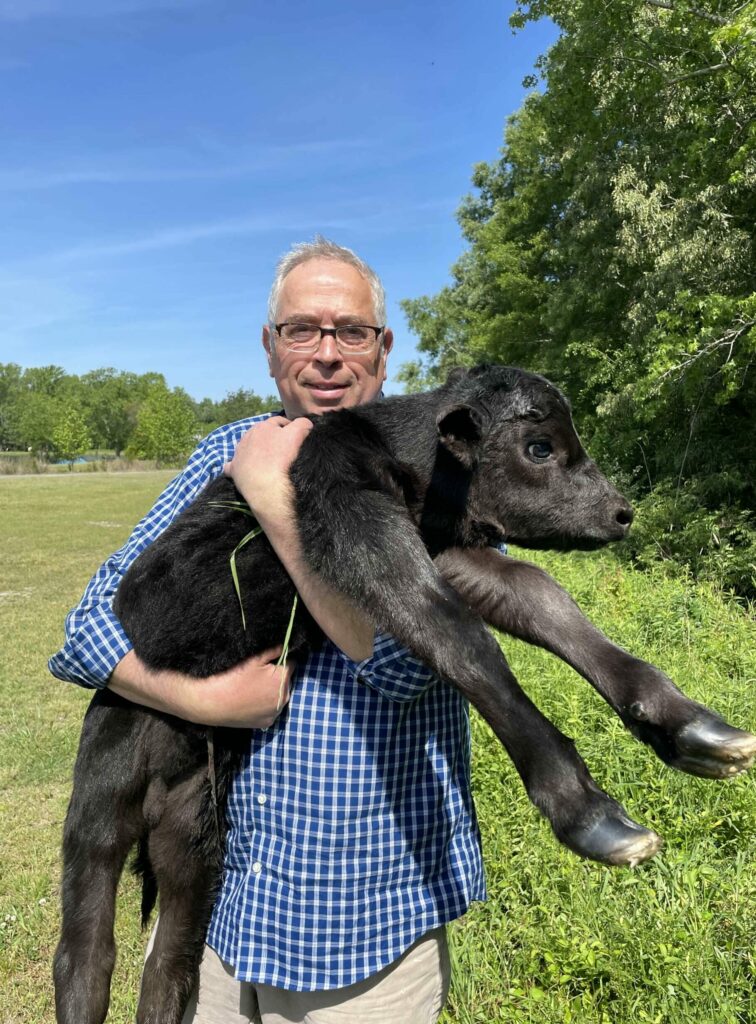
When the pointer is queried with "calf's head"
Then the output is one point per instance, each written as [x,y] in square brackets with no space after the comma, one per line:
[530,475]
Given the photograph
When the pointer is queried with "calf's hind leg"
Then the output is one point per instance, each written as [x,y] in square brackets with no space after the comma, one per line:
[521,599]
[95,845]
[388,572]
[103,822]
[185,857]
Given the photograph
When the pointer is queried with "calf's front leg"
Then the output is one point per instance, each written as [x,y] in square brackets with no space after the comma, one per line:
[521,599]
[388,572]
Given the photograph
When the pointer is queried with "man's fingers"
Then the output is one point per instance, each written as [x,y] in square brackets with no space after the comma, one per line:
[271,655]
[272,423]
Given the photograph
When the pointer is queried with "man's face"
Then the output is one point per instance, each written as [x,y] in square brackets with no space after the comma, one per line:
[331,294]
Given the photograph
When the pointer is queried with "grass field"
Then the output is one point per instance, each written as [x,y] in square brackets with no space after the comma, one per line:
[673,942]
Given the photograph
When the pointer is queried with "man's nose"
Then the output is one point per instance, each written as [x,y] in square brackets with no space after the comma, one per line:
[328,349]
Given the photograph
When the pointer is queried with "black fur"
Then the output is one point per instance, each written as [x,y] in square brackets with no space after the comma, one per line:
[381,490]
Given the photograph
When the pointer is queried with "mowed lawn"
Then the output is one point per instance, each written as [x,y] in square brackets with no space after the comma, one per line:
[559,940]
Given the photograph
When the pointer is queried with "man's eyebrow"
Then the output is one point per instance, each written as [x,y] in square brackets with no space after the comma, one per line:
[302,318]
[341,318]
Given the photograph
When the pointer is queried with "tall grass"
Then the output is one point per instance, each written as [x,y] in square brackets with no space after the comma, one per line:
[673,942]
[559,940]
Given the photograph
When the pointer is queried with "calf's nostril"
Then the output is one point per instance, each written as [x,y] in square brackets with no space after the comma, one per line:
[625,515]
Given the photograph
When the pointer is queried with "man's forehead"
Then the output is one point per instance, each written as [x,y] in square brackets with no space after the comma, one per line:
[327,274]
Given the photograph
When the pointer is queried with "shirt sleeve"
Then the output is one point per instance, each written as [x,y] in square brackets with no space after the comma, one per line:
[95,640]
[392,670]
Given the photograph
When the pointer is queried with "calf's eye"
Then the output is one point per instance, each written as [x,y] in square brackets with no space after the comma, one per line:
[540,451]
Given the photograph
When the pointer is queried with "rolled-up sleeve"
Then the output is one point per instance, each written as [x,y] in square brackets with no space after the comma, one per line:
[392,670]
[95,640]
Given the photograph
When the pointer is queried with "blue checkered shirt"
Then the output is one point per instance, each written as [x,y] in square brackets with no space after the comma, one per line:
[352,826]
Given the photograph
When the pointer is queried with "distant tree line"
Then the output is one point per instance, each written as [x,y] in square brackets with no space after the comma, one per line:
[55,414]
[612,247]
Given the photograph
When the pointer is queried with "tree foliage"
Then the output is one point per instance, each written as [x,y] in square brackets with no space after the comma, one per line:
[613,248]
[166,427]
[43,409]
[70,435]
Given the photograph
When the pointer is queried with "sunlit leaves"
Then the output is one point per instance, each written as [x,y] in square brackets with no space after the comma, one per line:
[613,245]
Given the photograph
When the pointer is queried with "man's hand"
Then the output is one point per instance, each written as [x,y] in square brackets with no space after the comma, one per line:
[250,695]
[260,469]
[260,466]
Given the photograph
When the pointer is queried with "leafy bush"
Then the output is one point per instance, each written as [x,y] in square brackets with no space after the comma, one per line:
[713,544]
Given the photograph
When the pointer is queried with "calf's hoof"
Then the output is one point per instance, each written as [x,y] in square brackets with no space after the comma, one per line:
[711,748]
[704,745]
[613,839]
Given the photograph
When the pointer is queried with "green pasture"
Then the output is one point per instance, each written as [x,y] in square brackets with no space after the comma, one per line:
[672,942]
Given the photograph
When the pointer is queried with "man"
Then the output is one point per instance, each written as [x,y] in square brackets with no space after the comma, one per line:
[352,839]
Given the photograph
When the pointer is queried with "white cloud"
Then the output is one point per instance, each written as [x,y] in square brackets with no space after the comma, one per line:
[178,237]
[154,168]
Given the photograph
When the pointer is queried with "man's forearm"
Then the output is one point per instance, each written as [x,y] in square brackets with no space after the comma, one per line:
[344,624]
[162,691]
[250,695]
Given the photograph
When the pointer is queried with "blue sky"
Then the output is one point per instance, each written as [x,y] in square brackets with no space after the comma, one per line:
[159,155]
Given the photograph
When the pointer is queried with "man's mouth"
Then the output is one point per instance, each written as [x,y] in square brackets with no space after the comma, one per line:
[325,388]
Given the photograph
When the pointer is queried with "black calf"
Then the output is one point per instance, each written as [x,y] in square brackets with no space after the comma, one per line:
[381,491]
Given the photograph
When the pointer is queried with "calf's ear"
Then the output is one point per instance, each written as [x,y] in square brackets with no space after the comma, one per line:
[460,428]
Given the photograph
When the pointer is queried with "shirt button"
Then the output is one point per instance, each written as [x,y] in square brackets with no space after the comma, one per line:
[262,798]
[257,867]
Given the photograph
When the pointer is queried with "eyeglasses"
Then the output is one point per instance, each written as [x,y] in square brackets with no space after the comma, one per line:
[351,338]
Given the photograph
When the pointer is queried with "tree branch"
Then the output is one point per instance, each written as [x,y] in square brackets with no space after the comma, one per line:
[717,19]
[727,340]
[700,71]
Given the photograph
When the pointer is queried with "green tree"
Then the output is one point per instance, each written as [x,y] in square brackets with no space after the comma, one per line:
[35,416]
[239,404]
[166,428]
[613,247]
[44,380]
[10,391]
[70,435]
[112,399]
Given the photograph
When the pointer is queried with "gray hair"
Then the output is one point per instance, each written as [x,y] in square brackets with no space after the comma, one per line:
[321,248]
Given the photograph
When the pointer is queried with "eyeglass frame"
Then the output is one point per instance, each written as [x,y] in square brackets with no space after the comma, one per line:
[329,330]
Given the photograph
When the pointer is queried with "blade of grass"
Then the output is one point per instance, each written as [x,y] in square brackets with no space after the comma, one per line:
[281,663]
[245,540]
[238,506]
[243,507]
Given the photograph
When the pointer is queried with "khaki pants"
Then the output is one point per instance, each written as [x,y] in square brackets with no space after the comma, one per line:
[412,990]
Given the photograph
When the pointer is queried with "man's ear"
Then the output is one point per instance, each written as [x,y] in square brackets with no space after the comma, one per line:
[267,341]
[460,428]
[388,344]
